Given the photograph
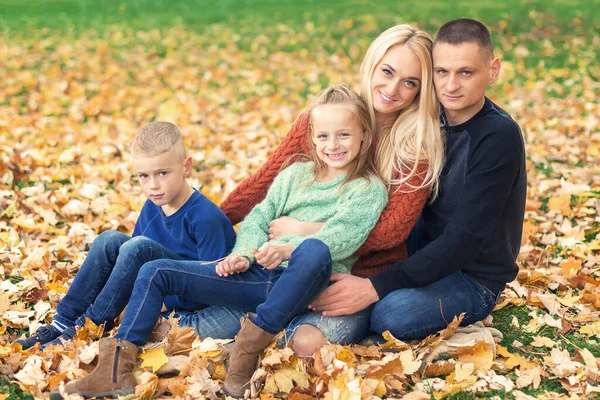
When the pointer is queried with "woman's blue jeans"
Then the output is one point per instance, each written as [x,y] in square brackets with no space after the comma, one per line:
[102,286]
[275,295]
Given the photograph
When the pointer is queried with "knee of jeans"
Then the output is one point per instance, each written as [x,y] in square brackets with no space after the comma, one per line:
[109,237]
[133,244]
[308,339]
[318,251]
[150,269]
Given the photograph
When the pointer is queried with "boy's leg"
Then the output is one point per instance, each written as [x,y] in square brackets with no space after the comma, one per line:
[415,313]
[214,321]
[116,291]
[310,264]
[91,277]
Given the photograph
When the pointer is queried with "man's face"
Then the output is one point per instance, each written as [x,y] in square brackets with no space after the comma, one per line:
[461,74]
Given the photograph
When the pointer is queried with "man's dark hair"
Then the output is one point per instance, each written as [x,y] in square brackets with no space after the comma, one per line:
[466,30]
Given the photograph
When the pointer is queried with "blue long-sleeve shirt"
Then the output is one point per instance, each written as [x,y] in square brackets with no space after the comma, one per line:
[199,230]
[476,222]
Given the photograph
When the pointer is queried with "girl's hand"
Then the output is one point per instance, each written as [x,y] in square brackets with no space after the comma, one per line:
[233,264]
[271,255]
[284,226]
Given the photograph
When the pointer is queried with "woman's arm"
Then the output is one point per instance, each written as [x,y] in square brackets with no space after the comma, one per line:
[254,188]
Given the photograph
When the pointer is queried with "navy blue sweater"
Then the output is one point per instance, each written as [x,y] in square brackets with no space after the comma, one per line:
[199,230]
[475,223]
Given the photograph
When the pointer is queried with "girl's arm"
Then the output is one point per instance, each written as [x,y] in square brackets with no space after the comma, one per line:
[356,213]
[398,218]
[254,188]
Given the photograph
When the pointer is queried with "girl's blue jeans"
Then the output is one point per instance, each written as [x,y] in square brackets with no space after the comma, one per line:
[276,296]
[102,286]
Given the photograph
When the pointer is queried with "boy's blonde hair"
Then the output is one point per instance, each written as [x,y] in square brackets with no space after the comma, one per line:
[362,165]
[415,138]
[157,138]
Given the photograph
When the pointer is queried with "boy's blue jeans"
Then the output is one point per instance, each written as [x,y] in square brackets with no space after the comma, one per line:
[102,286]
[275,295]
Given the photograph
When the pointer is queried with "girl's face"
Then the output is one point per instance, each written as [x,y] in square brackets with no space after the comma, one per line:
[337,135]
[396,81]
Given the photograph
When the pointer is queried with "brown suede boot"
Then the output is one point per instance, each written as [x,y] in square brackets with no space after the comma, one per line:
[243,360]
[112,376]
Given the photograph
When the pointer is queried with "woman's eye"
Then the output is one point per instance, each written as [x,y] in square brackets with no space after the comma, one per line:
[411,84]
[387,72]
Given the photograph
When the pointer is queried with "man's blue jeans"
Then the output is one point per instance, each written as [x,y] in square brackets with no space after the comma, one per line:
[102,286]
[275,295]
[414,313]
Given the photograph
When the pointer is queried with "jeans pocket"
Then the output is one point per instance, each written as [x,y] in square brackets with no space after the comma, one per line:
[486,295]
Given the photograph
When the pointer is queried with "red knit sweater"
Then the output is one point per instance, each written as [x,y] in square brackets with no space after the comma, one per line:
[385,243]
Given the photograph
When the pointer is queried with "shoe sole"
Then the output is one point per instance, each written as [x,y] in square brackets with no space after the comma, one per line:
[111,395]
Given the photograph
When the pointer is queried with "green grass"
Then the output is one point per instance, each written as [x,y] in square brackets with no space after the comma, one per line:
[18,15]
[12,390]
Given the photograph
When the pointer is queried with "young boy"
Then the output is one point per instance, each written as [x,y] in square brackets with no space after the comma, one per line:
[176,222]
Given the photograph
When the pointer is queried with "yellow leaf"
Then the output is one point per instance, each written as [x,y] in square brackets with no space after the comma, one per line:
[591,329]
[283,380]
[513,360]
[542,341]
[560,204]
[154,358]
[570,267]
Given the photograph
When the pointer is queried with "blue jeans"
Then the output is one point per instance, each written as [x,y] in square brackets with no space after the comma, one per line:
[414,313]
[224,323]
[275,295]
[103,285]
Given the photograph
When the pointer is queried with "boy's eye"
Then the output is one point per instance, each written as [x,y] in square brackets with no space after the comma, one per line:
[162,173]
[142,176]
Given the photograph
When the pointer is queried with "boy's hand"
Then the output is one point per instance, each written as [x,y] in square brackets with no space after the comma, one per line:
[233,264]
[271,255]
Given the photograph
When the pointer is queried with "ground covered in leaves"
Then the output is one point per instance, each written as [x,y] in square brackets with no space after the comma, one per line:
[70,105]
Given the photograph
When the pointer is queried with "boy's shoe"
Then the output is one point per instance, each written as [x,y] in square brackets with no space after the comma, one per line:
[112,376]
[63,338]
[44,334]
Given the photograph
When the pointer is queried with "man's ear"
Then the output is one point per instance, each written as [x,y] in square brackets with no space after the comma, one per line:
[494,70]
[187,167]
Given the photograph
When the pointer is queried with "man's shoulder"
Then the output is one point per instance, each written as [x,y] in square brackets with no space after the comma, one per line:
[497,120]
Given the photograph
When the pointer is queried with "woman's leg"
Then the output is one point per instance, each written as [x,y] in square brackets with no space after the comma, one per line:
[415,313]
[116,291]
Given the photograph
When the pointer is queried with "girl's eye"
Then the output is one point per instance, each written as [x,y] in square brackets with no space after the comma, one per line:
[344,134]
[321,136]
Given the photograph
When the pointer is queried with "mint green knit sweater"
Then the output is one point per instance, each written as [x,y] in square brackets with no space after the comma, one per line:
[348,215]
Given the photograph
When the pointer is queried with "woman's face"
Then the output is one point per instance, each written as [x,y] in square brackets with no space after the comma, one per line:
[396,81]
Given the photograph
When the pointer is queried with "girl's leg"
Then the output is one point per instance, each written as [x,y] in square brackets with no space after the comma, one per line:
[415,313]
[306,276]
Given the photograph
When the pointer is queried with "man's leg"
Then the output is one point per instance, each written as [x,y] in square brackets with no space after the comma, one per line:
[414,313]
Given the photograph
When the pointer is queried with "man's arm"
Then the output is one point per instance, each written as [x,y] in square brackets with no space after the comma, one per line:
[493,167]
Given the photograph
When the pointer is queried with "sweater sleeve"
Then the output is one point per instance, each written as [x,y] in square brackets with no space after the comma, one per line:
[253,189]
[493,166]
[357,212]
[254,229]
[399,217]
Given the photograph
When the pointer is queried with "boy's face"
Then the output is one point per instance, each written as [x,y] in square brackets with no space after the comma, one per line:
[162,178]
[461,74]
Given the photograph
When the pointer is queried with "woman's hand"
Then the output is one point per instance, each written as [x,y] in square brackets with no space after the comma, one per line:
[284,226]
[233,264]
[271,255]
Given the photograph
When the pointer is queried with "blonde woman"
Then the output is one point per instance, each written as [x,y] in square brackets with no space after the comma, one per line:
[396,81]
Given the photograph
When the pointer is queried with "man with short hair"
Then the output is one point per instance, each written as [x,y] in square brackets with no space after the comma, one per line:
[463,250]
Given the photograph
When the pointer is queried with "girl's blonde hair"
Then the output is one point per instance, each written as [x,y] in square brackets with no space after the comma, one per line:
[415,138]
[362,165]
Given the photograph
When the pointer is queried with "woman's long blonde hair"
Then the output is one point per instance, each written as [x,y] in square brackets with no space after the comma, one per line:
[415,138]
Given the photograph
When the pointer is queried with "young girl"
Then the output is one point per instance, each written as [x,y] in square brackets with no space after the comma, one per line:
[276,279]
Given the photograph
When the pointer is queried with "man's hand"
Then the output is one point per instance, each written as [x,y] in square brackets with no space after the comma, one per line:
[233,264]
[271,255]
[284,226]
[348,295]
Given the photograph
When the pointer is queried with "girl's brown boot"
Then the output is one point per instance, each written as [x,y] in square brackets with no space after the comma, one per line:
[112,376]
[243,360]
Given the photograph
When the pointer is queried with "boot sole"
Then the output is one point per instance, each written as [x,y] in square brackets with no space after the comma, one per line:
[111,395]
[229,394]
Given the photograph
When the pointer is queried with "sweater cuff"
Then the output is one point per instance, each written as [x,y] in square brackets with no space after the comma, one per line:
[387,281]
